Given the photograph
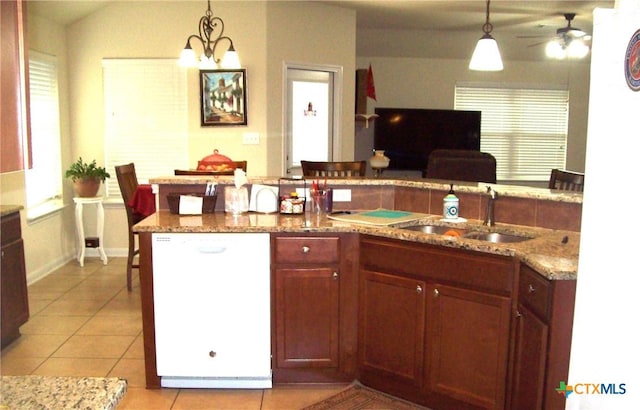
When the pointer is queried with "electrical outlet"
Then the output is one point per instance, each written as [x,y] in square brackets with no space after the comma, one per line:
[341,195]
[251,138]
[92,242]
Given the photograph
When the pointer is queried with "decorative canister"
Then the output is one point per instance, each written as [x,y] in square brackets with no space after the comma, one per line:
[451,205]
[215,162]
[379,160]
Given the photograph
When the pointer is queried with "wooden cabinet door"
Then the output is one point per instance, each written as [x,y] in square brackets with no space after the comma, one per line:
[467,344]
[15,304]
[391,326]
[529,361]
[307,317]
[14,97]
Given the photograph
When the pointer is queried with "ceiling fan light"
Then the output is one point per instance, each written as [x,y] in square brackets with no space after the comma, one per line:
[555,50]
[577,49]
[486,56]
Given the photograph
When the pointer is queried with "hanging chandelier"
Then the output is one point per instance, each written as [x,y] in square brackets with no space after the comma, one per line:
[211,30]
[486,56]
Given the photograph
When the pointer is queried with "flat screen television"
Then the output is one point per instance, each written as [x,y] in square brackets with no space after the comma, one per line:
[408,135]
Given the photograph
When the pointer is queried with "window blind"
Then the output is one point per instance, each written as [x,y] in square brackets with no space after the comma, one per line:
[43,181]
[525,129]
[146,118]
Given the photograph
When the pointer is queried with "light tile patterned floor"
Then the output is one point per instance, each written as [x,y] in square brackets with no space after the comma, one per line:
[84,323]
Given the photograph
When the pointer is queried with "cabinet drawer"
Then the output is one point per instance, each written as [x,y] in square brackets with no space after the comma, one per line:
[469,269]
[307,249]
[534,292]
[10,228]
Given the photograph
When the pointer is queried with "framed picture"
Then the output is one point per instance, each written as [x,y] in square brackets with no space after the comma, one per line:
[223,97]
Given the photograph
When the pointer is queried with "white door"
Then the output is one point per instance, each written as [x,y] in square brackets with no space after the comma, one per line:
[310,126]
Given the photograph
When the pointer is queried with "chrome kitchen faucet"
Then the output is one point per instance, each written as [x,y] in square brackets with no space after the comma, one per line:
[489,218]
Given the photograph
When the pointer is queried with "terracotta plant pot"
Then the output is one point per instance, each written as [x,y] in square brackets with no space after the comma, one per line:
[87,187]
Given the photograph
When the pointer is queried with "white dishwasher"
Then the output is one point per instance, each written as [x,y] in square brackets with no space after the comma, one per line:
[212,309]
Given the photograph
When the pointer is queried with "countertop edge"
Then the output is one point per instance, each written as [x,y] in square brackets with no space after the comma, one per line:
[552,253]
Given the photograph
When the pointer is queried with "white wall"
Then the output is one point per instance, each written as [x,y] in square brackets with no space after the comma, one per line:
[304,32]
[605,332]
[48,241]
[265,34]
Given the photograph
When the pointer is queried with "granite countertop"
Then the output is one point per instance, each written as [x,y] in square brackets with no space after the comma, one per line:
[55,393]
[9,209]
[548,252]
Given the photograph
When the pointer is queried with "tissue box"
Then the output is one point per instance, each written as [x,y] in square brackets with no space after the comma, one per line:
[208,202]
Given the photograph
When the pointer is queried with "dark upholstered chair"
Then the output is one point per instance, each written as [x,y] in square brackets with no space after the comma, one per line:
[461,165]
[334,169]
[566,180]
[128,182]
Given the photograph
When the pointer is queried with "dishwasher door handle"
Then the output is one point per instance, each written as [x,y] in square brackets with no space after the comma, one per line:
[210,249]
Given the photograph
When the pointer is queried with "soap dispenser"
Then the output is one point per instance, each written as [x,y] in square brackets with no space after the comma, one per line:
[451,204]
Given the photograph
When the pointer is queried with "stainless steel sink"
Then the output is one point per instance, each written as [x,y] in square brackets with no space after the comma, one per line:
[496,237]
[436,229]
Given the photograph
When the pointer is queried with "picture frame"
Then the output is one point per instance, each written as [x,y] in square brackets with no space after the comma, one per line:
[223,97]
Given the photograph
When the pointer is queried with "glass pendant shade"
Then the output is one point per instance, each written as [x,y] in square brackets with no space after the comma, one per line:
[486,56]
[207,63]
[188,57]
[230,59]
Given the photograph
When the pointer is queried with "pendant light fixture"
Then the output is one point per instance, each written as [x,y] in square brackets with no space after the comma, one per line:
[208,27]
[486,56]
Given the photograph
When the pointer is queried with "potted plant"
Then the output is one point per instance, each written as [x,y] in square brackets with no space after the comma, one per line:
[86,177]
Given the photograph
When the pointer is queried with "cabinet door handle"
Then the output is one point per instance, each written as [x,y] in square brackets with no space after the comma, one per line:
[436,293]
[419,289]
[518,314]
[306,249]
[335,276]
[531,289]
[212,354]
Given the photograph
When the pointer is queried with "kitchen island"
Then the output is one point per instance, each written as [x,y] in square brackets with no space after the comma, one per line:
[360,268]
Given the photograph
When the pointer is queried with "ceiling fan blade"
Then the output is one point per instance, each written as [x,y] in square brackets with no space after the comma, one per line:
[537,44]
[537,36]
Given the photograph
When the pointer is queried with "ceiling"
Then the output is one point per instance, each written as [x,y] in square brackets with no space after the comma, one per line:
[421,28]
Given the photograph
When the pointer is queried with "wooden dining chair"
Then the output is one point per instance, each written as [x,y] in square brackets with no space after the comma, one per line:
[128,182]
[334,169]
[566,180]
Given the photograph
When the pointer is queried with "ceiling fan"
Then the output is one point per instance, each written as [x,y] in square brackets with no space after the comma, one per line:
[569,41]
